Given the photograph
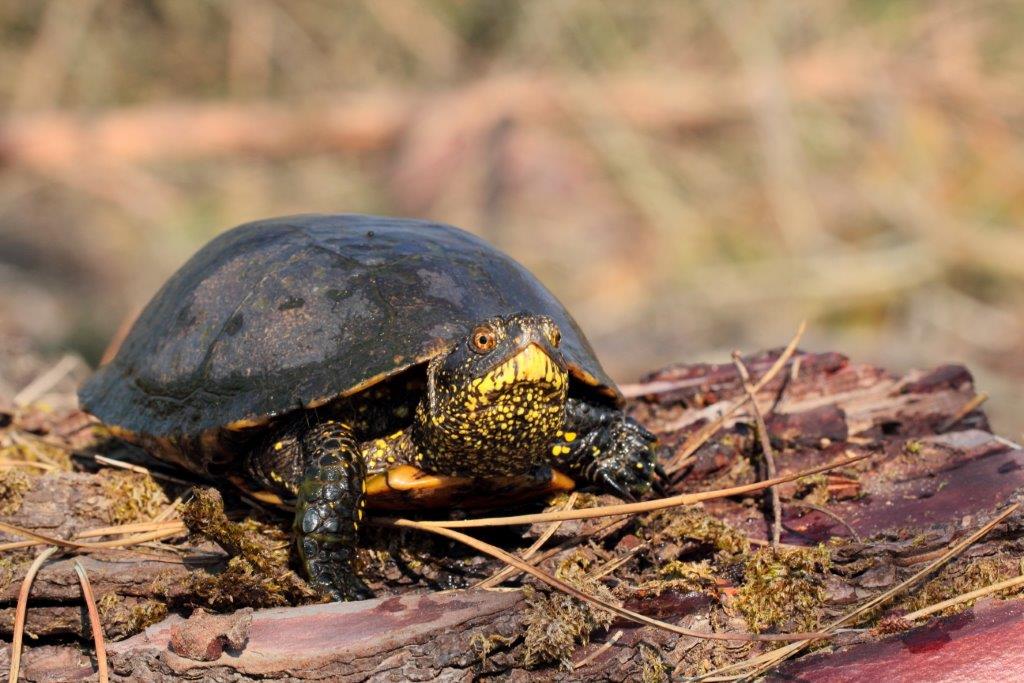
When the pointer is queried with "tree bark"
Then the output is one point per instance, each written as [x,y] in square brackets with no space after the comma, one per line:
[935,469]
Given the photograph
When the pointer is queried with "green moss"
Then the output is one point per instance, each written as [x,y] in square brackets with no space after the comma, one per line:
[9,570]
[14,484]
[695,524]
[556,623]
[583,500]
[694,576]
[913,447]
[134,496]
[783,588]
[813,489]
[37,450]
[484,644]
[121,619]
[653,669]
[257,574]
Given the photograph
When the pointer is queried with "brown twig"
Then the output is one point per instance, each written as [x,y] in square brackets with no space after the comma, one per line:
[21,612]
[701,436]
[94,622]
[775,502]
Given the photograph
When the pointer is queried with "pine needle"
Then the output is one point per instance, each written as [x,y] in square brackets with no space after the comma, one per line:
[607,645]
[775,501]
[636,508]
[701,436]
[21,612]
[94,622]
[965,597]
[506,572]
[164,530]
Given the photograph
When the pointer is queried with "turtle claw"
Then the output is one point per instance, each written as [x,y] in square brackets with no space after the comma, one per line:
[609,482]
[658,487]
[627,466]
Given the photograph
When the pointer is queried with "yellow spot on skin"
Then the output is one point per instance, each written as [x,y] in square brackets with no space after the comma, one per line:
[570,436]
[278,446]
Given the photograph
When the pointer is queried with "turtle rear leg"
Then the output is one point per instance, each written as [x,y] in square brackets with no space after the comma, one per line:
[329,509]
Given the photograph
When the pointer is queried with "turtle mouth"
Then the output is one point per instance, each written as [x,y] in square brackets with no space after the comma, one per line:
[530,365]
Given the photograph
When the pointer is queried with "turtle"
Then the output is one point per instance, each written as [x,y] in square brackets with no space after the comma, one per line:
[336,362]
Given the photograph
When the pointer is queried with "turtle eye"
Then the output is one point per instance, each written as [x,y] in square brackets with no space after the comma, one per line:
[483,339]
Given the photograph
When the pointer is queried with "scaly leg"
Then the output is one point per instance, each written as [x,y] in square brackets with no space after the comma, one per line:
[329,509]
[603,446]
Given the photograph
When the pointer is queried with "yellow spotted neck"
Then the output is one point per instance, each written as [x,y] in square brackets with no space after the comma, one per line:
[500,424]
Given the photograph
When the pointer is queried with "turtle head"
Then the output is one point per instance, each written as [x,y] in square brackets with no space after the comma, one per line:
[495,399]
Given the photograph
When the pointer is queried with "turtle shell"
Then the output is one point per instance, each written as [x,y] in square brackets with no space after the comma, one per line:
[290,313]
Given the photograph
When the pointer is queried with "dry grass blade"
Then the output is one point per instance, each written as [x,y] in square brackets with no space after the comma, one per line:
[558,584]
[784,546]
[762,663]
[168,526]
[46,381]
[607,645]
[700,437]
[28,463]
[828,513]
[506,572]
[132,467]
[965,409]
[613,564]
[174,505]
[21,612]
[133,528]
[660,387]
[38,538]
[94,622]
[766,446]
[635,508]
[964,597]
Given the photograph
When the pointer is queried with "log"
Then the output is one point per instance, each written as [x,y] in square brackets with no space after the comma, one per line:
[935,470]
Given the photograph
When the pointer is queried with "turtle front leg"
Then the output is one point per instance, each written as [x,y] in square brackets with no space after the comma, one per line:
[329,509]
[603,446]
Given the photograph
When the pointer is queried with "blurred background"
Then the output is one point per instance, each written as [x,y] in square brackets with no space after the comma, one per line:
[689,178]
